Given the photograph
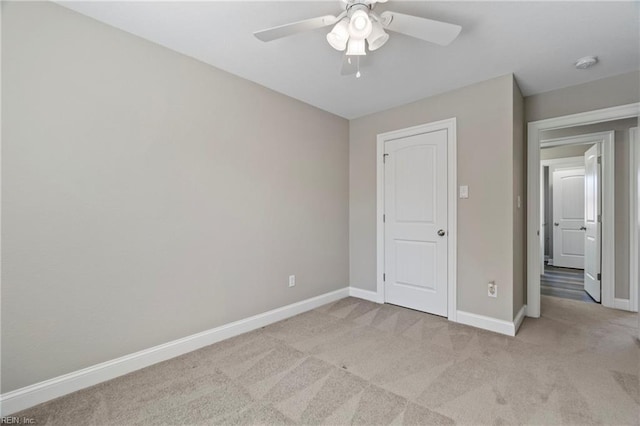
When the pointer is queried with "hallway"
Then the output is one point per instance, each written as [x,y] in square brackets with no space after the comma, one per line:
[566,283]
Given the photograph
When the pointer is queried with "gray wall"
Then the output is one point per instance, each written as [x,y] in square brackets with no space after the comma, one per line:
[519,213]
[148,196]
[563,151]
[485,131]
[608,92]
[622,177]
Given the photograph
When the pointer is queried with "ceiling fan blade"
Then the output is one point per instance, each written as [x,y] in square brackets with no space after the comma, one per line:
[437,32]
[295,27]
[350,64]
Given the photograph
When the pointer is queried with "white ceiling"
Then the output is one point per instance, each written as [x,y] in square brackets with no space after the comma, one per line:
[537,41]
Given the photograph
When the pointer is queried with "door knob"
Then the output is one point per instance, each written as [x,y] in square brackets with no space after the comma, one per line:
[556,224]
[441,232]
[583,228]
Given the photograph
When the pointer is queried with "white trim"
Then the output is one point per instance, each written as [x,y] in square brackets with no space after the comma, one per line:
[622,304]
[488,323]
[528,312]
[607,234]
[380,220]
[29,396]
[567,166]
[584,139]
[519,318]
[452,206]
[452,167]
[533,186]
[589,117]
[634,212]
[563,162]
[510,328]
[369,295]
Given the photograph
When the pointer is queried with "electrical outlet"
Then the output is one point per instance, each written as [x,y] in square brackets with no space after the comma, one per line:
[492,289]
[292,280]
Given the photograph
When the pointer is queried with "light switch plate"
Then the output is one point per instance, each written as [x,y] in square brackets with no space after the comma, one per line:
[464,191]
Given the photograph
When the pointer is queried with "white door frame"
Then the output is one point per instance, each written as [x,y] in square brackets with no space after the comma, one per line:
[553,164]
[634,212]
[450,126]
[533,187]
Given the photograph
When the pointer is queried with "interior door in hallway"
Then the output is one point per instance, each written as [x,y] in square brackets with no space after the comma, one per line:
[568,218]
[592,223]
[415,250]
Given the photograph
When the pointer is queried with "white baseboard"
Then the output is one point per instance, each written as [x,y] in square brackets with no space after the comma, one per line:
[527,312]
[371,296]
[517,321]
[467,318]
[20,399]
[488,323]
[623,304]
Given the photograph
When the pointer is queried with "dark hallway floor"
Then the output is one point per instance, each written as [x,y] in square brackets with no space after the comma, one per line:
[566,283]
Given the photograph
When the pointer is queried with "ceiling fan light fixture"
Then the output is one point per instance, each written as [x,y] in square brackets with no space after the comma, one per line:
[356,47]
[358,28]
[378,37]
[339,35]
[360,25]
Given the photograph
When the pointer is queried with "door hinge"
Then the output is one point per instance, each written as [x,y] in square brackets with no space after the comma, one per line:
[384,218]
[599,160]
[384,277]
[384,158]
[599,276]
[599,218]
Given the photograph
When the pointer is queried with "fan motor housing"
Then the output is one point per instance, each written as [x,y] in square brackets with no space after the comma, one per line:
[358,4]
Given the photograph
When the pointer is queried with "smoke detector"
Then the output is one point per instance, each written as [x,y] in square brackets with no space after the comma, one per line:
[586,62]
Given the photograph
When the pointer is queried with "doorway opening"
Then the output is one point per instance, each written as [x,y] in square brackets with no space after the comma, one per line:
[574,213]
[608,224]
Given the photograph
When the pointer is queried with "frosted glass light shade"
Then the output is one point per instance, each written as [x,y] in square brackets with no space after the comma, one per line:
[378,37]
[339,35]
[356,47]
[360,25]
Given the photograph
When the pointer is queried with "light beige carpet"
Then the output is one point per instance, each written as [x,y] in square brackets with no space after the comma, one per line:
[356,362]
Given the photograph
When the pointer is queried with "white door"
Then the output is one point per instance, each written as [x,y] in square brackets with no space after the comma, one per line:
[415,251]
[568,218]
[592,222]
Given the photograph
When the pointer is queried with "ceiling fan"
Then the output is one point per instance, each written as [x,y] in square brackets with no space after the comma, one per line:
[358,22]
